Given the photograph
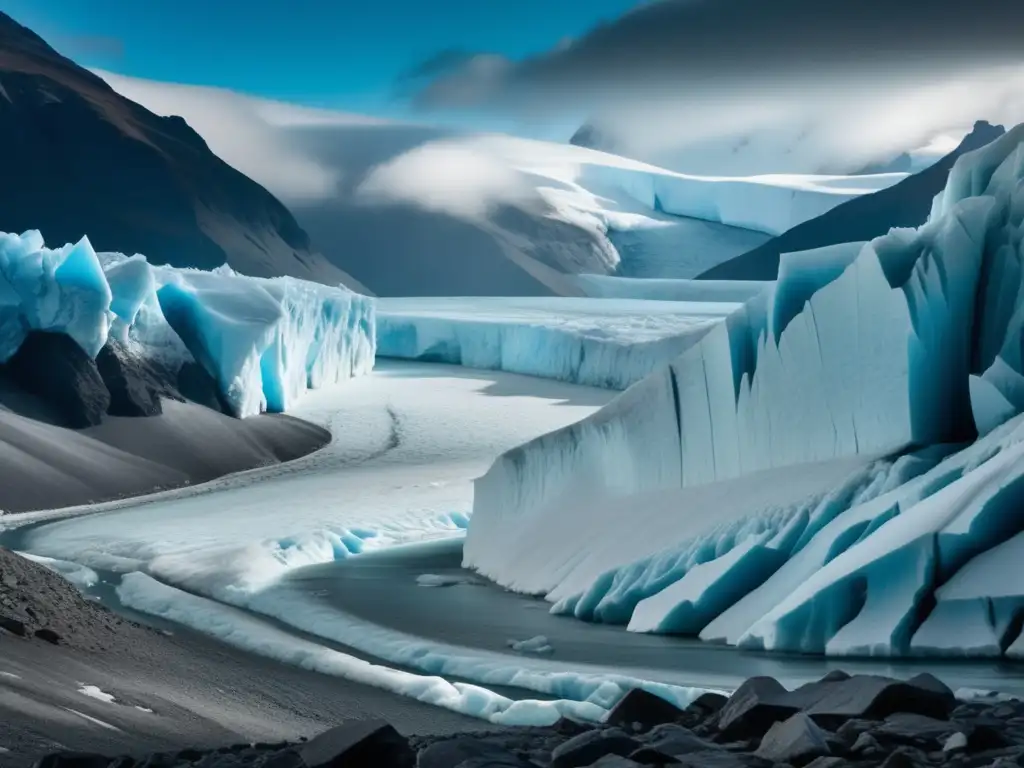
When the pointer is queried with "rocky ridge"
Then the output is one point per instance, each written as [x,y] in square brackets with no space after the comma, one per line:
[839,721]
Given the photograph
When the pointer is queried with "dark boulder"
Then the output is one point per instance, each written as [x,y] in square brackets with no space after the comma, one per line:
[133,388]
[795,741]
[13,626]
[588,748]
[639,706]
[55,369]
[359,744]
[48,635]
[870,697]
[754,708]
[675,740]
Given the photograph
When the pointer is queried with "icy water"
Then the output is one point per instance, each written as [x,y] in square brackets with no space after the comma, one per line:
[383,588]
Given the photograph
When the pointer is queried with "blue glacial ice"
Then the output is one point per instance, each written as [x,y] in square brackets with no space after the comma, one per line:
[798,480]
[264,341]
[609,343]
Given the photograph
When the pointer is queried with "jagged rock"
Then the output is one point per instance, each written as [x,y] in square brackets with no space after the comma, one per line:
[796,741]
[588,747]
[866,744]
[639,706]
[870,697]
[463,749]
[675,740]
[910,728]
[55,369]
[957,742]
[132,387]
[706,704]
[48,635]
[358,744]
[753,708]
[13,626]
[73,760]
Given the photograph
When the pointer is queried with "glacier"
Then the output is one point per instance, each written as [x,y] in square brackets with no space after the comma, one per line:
[264,341]
[835,468]
[609,343]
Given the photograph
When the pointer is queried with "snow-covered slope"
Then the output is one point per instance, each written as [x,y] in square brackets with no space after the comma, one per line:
[263,340]
[411,210]
[598,342]
[906,204]
[826,537]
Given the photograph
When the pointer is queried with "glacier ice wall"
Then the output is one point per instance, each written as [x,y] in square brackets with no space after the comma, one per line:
[770,487]
[597,342]
[264,341]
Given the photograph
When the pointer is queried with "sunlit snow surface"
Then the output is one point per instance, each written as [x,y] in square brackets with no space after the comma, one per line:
[599,342]
[758,490]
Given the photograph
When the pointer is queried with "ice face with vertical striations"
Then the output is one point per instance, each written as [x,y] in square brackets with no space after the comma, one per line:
[796,480]
[265,341]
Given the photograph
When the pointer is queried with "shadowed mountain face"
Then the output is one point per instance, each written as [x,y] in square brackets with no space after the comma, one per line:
[906,204]
[80,159]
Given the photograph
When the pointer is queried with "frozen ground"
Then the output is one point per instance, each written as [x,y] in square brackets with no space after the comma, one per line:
[608,343]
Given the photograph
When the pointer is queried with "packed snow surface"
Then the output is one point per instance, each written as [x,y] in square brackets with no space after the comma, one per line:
[407,442]
[264,341]
[598,342]
[774,486]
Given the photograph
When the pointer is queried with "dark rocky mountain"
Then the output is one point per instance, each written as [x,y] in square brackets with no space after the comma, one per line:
[79,158]
[906,204]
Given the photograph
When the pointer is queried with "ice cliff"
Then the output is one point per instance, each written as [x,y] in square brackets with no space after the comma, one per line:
[264,341]
[797,480]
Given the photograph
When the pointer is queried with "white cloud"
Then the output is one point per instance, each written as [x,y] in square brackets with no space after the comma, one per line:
[248,133]
[447,176]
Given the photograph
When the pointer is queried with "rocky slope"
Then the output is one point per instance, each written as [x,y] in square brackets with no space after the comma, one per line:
[840,721]
[81,158]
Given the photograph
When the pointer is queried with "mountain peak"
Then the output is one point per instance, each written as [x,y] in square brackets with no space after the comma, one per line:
[90,161]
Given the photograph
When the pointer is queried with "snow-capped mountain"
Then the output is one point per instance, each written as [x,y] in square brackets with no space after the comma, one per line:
[905,204]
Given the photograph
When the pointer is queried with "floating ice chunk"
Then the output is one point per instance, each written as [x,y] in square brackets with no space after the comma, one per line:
[437,580]
[539,645]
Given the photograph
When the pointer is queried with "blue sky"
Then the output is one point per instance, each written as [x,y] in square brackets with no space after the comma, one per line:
[340,54]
